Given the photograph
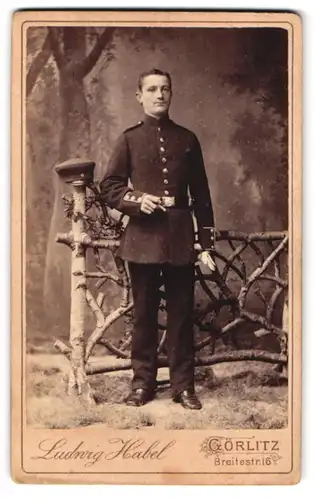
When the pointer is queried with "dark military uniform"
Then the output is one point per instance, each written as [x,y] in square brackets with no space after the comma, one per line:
[164,159]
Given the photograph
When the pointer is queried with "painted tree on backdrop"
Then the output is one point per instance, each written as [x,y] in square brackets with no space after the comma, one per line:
[73,61]
[42,149]
[263,72]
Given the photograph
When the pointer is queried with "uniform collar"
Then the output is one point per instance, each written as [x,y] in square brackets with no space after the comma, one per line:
[156,122]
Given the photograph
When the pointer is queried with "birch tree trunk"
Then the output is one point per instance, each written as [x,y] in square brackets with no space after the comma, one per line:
[76,173]
[78,383]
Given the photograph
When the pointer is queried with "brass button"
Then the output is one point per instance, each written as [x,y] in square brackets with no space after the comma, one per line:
[165,181]
[164,160]
[159,129]
[165,171]
[162,149]
[161,139]
[166,192]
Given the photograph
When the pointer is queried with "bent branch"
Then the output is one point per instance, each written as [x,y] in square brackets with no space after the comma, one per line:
[37,66]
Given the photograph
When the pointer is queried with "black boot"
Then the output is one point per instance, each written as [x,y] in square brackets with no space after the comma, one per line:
[188,400]
[139,397]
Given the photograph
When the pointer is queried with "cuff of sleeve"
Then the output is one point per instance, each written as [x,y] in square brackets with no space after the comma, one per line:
[131,202]
[208,238]
[133,197]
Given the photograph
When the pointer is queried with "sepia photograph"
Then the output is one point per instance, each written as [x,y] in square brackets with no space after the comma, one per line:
[156,239]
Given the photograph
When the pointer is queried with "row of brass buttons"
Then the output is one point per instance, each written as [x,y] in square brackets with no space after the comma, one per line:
[164,160]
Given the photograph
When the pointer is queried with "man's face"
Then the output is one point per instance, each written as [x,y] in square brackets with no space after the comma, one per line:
[155,95]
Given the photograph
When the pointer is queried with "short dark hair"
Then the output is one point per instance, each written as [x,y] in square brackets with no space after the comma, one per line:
[153,71]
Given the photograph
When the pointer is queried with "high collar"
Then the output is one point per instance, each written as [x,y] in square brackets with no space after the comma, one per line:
[157,122]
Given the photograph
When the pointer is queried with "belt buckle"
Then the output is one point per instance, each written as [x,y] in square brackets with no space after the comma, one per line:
[168,201]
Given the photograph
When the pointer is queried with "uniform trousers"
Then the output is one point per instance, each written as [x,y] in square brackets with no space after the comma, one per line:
[179,296]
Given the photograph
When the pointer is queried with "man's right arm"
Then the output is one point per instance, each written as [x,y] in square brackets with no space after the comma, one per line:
[115,191]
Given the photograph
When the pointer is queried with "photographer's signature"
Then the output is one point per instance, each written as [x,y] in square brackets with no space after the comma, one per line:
[126,449]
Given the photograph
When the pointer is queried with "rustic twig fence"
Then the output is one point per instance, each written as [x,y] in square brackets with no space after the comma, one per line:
[225,295]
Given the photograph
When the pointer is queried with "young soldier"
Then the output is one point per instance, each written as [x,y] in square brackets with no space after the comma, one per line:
[163,161]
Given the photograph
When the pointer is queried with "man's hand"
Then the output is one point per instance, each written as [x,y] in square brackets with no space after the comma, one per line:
[207,260]
[150,203]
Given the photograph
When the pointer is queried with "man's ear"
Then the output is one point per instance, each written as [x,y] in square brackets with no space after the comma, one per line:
[139,96]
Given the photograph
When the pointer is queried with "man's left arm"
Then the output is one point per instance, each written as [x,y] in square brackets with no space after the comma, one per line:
[201,198]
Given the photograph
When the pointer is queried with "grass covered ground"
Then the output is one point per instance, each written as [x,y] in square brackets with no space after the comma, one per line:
[234,395]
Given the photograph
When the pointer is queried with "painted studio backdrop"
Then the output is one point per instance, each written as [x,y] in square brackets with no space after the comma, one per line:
[229,87]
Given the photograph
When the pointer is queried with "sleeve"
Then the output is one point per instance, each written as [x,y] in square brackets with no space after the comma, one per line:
[115,191]
[201,199]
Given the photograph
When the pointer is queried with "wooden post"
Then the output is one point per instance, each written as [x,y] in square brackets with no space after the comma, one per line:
[78,173]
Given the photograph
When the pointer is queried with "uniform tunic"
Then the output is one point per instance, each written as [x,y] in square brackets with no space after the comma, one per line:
[160,158]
